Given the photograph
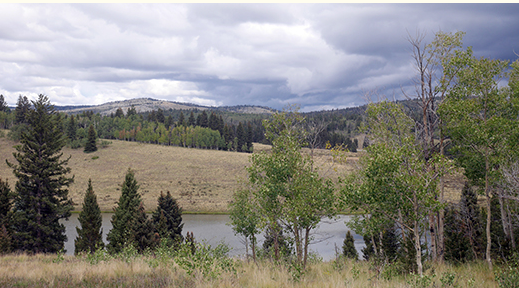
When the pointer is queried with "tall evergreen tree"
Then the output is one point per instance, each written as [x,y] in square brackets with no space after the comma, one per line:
[241,137]
[191,121]
[368,252]
[220,125]
[119,113]
[124,214]
[72,129]
[160,116]
[457,245]
[22,108]
[42,197]
[181,120]
[167,218]
[142,231]
[3,105]
[168,122]
[249,138]
[6,201]
[90,145]
[90,235]
[202,120]
[348,247]
[390,243]
[131,111]
[471,219]
[213,121]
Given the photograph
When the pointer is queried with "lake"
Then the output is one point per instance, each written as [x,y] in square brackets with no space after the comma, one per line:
[212,229]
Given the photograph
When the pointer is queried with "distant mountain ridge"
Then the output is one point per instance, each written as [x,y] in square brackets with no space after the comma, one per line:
[149,104]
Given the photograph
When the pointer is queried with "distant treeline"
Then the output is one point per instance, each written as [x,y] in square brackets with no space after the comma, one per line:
[194,128]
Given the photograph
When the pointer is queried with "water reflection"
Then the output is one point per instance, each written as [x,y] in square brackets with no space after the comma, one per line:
[213,229]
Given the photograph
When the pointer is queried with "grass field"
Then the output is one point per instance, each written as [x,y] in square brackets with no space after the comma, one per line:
[201,180]
[157,271]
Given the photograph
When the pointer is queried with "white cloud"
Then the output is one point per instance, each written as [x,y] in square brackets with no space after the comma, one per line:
[227,54]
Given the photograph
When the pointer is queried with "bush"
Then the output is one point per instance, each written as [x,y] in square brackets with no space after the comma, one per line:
[508,276]
[208,261]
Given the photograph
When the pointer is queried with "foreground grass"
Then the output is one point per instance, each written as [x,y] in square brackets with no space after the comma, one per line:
[159,271]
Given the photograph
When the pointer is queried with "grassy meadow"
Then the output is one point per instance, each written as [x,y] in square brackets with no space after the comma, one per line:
[201,180]
[155,271]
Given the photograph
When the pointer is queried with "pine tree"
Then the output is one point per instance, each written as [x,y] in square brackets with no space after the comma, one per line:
[348,247]
[41,194]
[3,105]
[22,108]
[181,120]
[213,121]
[470,215]
[124,214]
[368,252]
[168,122]
[167,219]
[390,244]
[6,201]
[203,120]
[90,145]
[160,116]
[90,235]
[457,245]
[142,231]
[72,129]
[241,138]
[500,248]
[191,120]
[119,113]
[249,138]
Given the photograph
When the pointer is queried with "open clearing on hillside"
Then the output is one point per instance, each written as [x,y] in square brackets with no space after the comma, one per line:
[201,180]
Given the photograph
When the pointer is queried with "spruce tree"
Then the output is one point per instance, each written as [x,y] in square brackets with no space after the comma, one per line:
[390,244]
[3,105]
[119,113]
[203,120]
[72,129]
[348,247]
[41,195]
[90,235]
[124,214]
[191,120]
[90,145]
[249,138]
[241,138]
[22,108]
[142,231]
[457,245]
[160,116]
[473,224]
[167,219]
[368,252]
[181,120]
[6,201]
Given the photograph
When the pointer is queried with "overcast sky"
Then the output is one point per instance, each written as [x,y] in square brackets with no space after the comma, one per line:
[317,56]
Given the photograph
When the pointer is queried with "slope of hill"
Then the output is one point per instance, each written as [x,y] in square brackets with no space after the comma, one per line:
[148,104]
[201,180]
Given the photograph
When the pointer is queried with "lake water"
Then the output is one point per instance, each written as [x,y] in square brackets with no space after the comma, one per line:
[213,229]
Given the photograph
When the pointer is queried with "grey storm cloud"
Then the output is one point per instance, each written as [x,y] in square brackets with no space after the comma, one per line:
[317,56]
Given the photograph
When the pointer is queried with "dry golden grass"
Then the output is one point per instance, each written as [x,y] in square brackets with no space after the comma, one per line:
[201,180]
[42,271]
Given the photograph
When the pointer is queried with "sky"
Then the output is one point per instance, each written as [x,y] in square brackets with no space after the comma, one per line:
[317,56]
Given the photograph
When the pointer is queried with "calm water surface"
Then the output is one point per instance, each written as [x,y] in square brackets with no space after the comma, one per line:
[212,229]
